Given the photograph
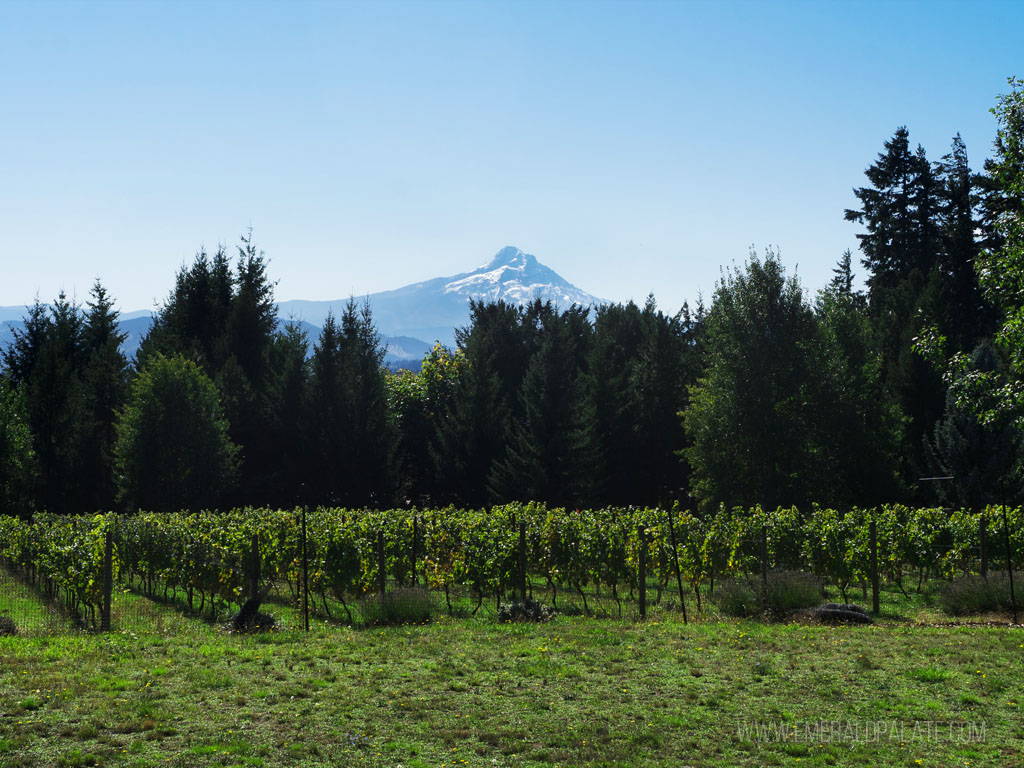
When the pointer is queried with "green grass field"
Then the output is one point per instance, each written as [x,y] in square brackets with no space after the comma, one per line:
[168,689]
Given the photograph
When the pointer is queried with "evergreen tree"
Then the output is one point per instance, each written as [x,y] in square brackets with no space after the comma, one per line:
[55,397]
[901,250]
[751,412]
[500,340]
[859,424]
[173,450]
[961,313]
[898,210]
[355,436]
[642,363]
[470,431]
[661,376]
[16,454]
[288,392]
[842,282]
[619,335]
[472,428]
[192,321]
[226,321]
[71,374]
[327,418]
[23,352]
[105,386]
[252,321]
[550,455]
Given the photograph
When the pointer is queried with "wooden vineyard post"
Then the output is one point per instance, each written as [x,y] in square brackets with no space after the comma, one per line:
[305,574]
[641,533]
[522,560]
[675,557]
[108,580]
[254,569]
[983,549]
[382,575]
[1009,562]
[415,542]
[764,559]
[873,536]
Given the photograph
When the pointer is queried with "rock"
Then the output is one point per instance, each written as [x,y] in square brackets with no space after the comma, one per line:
[840,613]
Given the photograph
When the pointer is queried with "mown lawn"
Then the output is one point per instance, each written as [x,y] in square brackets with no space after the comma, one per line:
[576,691]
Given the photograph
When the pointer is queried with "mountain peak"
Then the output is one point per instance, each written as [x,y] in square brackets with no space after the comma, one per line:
[510,256]
[432,309]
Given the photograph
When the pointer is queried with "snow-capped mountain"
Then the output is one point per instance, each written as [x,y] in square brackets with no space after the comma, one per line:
[432,309]
[518,278]
[409,319]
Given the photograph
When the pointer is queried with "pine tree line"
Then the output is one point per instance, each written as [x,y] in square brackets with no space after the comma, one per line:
[767,396]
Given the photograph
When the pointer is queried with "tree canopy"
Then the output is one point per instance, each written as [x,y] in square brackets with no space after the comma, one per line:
[173,450]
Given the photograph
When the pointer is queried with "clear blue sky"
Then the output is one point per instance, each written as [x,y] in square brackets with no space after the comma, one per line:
[633,147]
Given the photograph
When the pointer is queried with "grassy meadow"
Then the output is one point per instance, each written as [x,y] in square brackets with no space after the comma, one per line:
[168,689]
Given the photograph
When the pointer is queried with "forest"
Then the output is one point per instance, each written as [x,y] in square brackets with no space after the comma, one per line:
[766,395]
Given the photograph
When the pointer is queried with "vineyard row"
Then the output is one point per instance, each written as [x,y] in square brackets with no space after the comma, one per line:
[212,556]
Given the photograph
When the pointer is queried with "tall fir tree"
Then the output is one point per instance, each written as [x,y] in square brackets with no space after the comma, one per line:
[23,352]
[226,320]
[551,453]
[898,211]
[961,313]
[17,458]
[641,365]
[105,386]
[472,429]
[55,397]
[901,251]
[354,435]
[288,392]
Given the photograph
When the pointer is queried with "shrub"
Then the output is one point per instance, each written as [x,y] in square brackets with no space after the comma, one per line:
[787,591]
[406,605]
[736,597]
[253,622]
[526,610]
[973,594]
[790,591]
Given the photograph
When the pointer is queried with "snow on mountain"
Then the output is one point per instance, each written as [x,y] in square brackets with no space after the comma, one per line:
[433,309]
[518,278]
[410,318]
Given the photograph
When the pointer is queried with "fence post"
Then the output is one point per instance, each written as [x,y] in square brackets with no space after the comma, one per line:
[108,580]
[415,542]
[1009,563]
[675,557]
[254,568]
[764,558]
[382,576]
[305,573]
[522,560]
[982,535]
[641,533]
[873,535]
